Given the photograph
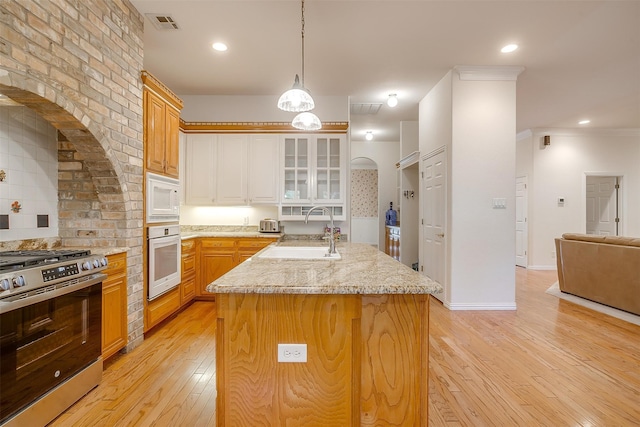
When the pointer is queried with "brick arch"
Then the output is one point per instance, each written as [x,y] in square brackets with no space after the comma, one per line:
[95,189]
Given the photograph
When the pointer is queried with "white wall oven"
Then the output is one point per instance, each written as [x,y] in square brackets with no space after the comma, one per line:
[50,332]
[163,198]
[164,259]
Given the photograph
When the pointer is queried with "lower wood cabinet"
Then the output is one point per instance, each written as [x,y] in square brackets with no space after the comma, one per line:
[188,272]
[218,255]
[114,305]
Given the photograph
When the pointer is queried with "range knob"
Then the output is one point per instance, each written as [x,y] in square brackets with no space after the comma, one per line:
[86,265]
[18,282]
[96,263]
[5,284]
[103,261]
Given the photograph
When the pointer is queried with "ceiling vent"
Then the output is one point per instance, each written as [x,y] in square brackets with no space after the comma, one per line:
[365,109]
[162,22]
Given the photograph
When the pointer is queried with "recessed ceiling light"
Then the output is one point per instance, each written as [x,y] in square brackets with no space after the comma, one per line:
[219,46]
[584,122]
[509,48]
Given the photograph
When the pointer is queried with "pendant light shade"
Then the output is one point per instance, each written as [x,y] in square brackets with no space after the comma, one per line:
[296,99]
[306,121]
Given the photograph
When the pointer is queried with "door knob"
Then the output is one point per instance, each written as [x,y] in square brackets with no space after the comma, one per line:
[440,235]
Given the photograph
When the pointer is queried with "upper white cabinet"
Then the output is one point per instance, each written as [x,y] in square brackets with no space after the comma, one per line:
[231,169]
[200,164]
[313,173]
[264,169]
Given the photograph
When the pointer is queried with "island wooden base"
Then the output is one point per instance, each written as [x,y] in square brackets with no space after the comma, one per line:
[367,360]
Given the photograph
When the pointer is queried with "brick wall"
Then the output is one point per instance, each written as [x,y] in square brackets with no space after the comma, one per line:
[78,63]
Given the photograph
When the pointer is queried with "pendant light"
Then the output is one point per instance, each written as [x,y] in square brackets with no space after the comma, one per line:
[306,121]
[298,99]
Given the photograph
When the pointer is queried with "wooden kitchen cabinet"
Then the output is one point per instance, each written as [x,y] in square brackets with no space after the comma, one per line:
[188,272]
[217,256]
[114,305]
[161,111]
[220,254]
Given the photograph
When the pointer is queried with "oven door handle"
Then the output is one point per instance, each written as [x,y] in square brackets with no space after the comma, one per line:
[38,295]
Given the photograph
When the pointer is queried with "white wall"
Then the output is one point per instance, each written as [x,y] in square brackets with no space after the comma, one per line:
[560,169]
[385,154]
[475,121]
[482,167]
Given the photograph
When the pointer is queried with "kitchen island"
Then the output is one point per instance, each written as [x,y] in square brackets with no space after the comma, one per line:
[363,321]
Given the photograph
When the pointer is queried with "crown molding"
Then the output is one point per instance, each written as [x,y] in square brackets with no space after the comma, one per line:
[488,72]
[258,127]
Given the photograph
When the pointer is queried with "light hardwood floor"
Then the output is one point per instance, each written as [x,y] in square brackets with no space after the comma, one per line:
[550,363]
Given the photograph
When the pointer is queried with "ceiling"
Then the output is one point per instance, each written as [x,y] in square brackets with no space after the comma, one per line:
[581,58]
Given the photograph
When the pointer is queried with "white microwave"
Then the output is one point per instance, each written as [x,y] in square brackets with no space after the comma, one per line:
[163,198]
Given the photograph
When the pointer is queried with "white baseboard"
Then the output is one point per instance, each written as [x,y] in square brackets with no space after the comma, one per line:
[479,306]
[543,267]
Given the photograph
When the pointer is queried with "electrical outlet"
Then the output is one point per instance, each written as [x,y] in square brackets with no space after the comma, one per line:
[553,254]
[292,353]
[246,220]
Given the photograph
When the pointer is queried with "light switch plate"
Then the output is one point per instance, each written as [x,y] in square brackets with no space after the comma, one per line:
[292,353]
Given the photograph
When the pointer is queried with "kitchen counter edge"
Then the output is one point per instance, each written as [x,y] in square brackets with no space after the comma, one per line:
[362,270]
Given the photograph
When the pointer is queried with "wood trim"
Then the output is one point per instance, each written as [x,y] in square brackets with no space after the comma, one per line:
[257,127]
[152,83]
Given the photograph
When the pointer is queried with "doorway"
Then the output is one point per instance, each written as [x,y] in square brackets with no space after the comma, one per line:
[364,201]
[603,215]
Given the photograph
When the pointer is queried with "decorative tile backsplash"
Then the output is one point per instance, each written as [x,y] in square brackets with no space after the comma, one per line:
[29,161]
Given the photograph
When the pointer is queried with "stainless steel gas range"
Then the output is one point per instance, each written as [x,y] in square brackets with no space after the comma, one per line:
[50,332]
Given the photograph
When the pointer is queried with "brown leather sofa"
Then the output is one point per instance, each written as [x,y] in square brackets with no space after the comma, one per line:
[605,269]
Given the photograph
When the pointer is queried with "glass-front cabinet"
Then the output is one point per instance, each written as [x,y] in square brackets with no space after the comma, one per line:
[313,174]
[297,183]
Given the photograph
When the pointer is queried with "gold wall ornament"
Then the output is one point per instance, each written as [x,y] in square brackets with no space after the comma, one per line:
[16,206]
[3,175]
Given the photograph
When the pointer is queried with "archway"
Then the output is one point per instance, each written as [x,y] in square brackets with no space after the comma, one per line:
[364,201]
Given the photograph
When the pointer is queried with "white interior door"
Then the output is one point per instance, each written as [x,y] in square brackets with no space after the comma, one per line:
[433,221]
[602,205]
[522,236]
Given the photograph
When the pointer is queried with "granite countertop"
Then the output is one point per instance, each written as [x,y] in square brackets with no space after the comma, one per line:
[362,270]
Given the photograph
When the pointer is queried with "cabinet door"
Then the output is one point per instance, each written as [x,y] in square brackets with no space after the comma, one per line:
[172,141]
[329,170]
[263,169]
[154,131]
[231,170]
[296,182]
[200,163]
[217,256]
[114,305]
[114,308]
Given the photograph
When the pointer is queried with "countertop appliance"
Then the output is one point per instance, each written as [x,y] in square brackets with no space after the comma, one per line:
[50,339]
[269,225]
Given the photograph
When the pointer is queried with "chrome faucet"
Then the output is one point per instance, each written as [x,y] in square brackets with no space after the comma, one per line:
[332,239]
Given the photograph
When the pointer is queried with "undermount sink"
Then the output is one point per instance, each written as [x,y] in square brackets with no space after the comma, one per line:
[299,252]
